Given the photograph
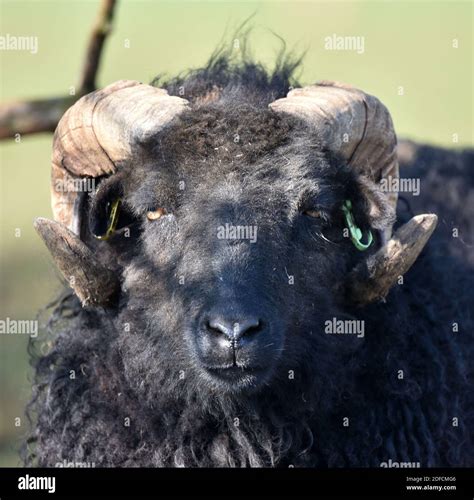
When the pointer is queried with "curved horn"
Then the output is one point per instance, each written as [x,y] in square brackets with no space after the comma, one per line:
[95,137]
[100,132]
[353,124]
[358,127]
[373,278]
[92,282]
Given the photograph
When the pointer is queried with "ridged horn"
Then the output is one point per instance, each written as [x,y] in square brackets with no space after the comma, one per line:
[373,278]
[92,282]
[358,127]
[96,137]
[353,124]
[100,133]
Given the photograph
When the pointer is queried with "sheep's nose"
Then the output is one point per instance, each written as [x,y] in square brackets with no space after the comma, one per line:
[227,336]
[234,328]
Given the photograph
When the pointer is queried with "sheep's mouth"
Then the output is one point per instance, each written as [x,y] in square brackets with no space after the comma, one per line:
[237,377]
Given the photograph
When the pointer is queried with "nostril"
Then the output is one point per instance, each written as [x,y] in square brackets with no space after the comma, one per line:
[214,327]
[248,328]
[234,329]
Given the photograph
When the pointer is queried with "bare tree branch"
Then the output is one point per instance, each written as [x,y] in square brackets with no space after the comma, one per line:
[42,115]
[31,117]
[99,33]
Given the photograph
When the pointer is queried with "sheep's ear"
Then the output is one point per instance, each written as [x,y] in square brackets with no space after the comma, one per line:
[108,213]
[91,281]
[105,208]
[373,278]
[378,210]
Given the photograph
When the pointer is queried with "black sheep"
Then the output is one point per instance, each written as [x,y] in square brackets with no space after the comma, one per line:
[199,350]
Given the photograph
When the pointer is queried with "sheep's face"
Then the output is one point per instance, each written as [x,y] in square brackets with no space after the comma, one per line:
[239,254]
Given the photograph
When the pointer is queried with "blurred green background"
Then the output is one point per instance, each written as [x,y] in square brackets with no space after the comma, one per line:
[417,58]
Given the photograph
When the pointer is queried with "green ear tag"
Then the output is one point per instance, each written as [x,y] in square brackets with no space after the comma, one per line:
[355,232]
[113,219]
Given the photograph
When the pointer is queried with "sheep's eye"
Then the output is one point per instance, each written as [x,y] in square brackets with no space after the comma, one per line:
[315,214]
[155,214]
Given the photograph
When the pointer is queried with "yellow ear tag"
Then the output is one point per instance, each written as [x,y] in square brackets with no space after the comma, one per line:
[113,219]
